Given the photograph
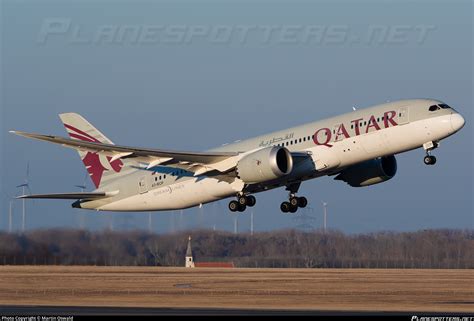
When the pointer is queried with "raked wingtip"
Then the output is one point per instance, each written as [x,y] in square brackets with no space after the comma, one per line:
[18,132]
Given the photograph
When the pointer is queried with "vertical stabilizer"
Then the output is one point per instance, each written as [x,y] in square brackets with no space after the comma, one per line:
[99,166]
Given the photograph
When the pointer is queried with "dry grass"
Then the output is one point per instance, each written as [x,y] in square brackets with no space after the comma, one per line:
[320,289]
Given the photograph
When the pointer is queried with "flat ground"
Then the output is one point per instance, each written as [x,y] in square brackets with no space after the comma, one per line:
[308,289]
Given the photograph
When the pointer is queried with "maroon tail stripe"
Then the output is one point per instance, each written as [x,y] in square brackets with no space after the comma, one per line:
[81,132]
[87,139]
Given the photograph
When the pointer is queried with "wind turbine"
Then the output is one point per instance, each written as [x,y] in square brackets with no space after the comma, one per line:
[236,223]
[81,214]
[10,211]
[83,186]
[180,222]
[10,215]
[201,216]
[25,186]
[173,222]
[150,223]
[325,207]
[251,222]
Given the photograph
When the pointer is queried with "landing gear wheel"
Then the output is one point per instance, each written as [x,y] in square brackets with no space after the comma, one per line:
[293,209]
[233,206]
[302,202]
[251,201]
[285,207]
[294,201]
[242,208]
[429,160]
[243,200]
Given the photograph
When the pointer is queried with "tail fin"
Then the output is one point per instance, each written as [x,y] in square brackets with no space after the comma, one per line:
[79,128]
[99,166]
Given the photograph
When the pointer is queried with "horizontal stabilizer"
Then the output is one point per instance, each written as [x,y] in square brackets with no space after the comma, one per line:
[70,196]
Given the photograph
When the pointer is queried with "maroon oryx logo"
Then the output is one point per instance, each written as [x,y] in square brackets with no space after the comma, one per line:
[96,164]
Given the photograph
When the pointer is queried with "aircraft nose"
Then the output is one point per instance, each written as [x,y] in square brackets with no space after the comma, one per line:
[457,122]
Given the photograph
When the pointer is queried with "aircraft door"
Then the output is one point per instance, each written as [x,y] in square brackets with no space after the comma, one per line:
[142,185]
[403,116]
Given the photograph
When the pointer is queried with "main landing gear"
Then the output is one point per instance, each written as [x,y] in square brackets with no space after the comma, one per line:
[428,147]
[293,204]
[242,202]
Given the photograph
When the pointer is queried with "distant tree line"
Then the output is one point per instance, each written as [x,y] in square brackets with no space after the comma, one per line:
[279,249]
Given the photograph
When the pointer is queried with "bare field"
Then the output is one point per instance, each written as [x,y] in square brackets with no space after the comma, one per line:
[318,289]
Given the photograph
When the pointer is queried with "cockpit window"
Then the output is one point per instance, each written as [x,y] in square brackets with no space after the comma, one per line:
[444,106]
[434,108]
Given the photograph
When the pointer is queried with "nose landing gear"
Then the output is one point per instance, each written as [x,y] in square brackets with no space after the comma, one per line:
[429,160]
[428,147]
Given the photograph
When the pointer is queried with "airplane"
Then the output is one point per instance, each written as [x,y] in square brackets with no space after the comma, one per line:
[358,148]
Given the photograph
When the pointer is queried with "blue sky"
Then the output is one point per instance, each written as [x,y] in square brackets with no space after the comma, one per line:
[166,74]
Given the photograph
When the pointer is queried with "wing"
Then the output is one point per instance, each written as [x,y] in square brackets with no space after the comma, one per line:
[198,162]
[71,196]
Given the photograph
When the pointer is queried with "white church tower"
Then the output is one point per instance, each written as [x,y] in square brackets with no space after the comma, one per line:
[189,255]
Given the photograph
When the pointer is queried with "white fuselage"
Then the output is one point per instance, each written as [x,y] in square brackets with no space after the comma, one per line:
[333,144]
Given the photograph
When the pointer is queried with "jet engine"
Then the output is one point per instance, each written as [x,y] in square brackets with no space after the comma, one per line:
[371,172]
[264,165]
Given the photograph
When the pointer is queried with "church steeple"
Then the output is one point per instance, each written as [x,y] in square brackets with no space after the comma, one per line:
[189,255]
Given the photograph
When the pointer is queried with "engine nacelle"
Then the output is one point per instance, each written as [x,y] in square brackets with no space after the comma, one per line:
[264,165]
[371,172]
